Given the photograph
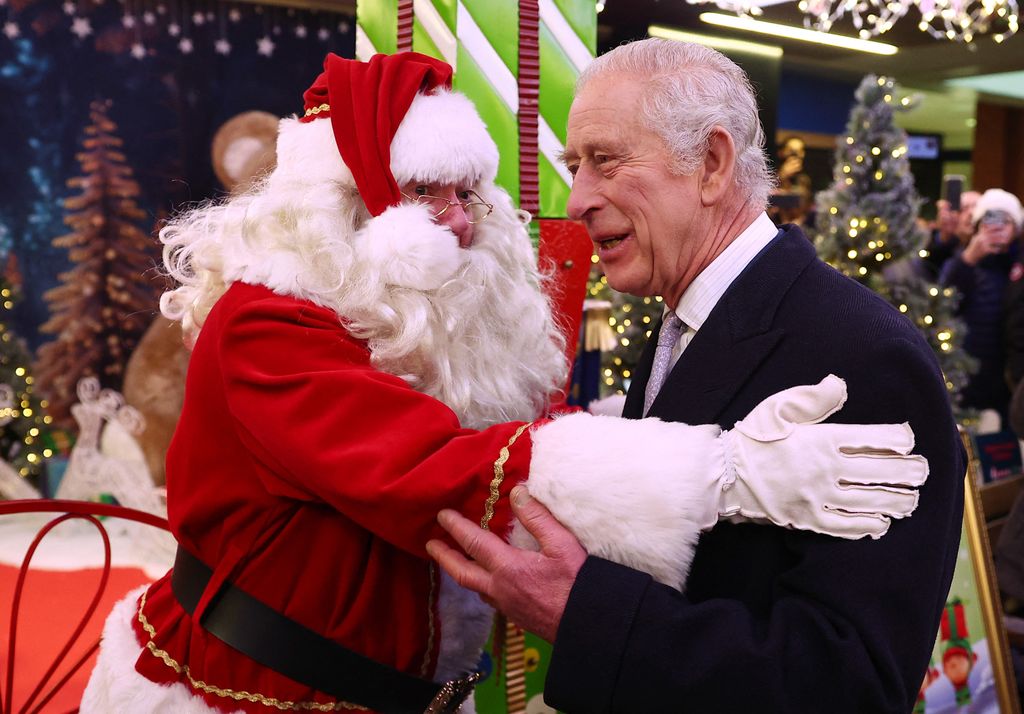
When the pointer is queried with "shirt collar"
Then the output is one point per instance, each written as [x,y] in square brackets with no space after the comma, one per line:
[707,288]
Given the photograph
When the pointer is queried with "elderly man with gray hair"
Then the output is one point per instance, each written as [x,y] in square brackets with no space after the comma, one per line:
[670,180]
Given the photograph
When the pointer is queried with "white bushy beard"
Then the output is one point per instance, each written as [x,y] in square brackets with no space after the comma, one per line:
[484,342]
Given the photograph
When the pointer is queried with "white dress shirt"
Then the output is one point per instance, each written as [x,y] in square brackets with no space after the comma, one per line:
[707,288]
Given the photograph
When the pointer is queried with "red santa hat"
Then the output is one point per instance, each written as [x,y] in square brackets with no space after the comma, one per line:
[375,126]
[379,124]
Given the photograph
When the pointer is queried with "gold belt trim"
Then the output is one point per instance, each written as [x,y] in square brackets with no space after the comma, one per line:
[499,476]
[231,693]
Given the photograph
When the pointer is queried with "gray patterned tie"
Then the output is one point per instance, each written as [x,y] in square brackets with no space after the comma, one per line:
[668,336]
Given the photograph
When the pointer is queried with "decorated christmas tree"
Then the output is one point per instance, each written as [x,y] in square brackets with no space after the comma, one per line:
[867,225]
[632,319]
[107,300]
[24,425]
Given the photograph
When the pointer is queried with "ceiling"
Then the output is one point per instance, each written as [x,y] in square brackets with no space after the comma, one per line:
[923,65]
[922,61]
[943,74]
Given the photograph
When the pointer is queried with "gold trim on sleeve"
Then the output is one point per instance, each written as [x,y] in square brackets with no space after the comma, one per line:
[499,476]
[231,693]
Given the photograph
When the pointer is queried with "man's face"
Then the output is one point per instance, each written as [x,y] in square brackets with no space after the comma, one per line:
[642,218]
[793,147]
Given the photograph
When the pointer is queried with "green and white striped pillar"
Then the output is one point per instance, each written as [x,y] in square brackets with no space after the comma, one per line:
[481,40]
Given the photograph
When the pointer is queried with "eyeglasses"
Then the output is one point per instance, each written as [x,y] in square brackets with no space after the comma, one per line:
[476,208]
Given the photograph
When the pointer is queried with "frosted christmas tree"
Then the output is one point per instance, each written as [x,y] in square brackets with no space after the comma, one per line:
[867,225]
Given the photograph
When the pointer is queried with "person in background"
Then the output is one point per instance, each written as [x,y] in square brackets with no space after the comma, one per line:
[982,272]
[793,199]
[950,233]
[670,180]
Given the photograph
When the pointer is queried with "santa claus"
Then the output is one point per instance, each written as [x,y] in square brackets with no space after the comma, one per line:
[372,345]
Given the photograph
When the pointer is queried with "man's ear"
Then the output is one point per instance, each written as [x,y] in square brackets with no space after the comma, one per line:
[719,165]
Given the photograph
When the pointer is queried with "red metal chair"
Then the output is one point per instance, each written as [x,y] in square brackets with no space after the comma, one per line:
[80,510]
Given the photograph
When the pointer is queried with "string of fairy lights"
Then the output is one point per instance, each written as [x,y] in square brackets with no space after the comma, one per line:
[19,418]
[631,321]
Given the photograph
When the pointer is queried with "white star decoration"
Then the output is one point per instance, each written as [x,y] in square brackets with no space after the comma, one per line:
[222,46]
[138,51]
[234,15]
[265,46]
[343,27]
[148,17]
[11,30]
[322,34]
[300,30]
[128,21]
[174,29]
[198,18]
[69,8]
[185,46]
[81,27]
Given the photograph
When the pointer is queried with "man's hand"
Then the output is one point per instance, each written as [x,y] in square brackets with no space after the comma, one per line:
[530,588]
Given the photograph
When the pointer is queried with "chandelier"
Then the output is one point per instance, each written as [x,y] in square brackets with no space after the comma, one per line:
[955,20]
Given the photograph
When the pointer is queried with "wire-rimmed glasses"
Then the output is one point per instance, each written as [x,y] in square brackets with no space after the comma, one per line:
[476,208]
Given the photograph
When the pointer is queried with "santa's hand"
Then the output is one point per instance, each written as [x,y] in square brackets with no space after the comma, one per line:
[844,480]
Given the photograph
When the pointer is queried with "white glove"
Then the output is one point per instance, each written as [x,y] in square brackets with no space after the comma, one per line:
[844,480]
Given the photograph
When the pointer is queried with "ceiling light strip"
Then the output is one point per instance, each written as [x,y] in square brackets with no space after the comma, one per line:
[718,43]
[797,33]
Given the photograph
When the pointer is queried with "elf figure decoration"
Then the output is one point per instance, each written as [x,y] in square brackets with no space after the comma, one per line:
[957,656]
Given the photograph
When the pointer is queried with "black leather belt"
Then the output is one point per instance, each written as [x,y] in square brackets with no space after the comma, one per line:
[278,642]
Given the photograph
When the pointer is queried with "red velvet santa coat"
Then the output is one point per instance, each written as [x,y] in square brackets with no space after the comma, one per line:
[311,481]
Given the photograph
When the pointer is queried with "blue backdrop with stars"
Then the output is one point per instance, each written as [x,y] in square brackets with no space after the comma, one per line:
[174,72]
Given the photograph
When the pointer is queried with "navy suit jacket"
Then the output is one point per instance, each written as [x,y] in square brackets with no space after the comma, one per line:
[777,620]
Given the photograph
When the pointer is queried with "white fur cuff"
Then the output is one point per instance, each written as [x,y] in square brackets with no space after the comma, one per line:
[409,248]
[637,492]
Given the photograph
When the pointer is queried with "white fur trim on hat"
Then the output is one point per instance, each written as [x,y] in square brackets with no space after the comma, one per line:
[307,154]
[996,199]
[646,512]
[409,248]
[443,140]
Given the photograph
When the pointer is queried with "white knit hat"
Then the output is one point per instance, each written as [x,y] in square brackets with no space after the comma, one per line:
[996,199]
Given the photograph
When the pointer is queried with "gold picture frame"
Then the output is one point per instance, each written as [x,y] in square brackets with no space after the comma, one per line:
[971,671]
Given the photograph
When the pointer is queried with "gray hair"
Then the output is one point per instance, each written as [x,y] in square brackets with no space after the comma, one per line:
[693,89]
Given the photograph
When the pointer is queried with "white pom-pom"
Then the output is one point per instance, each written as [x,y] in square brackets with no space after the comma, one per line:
[410,248]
